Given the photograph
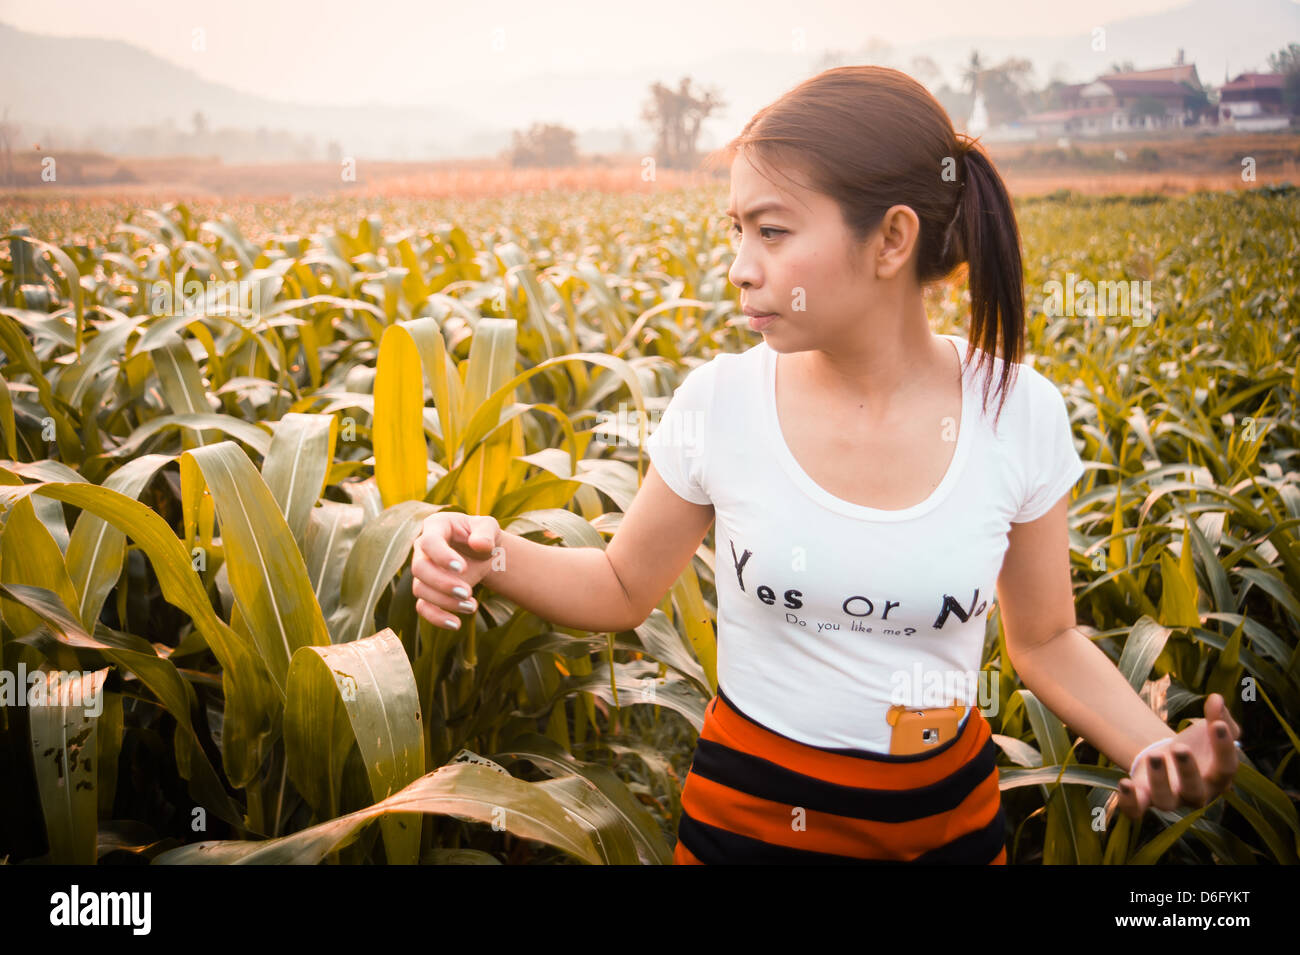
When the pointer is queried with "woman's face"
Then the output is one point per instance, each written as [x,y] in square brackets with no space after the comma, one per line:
[796,259]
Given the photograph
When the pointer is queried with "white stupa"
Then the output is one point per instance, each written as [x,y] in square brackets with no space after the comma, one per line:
[979,116]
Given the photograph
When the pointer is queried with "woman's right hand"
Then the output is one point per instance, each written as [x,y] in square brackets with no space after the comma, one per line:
[452,553]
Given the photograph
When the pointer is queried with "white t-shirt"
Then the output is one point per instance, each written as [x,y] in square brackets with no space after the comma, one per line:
[830,612]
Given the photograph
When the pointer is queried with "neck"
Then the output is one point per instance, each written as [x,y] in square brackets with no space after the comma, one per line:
[881,367]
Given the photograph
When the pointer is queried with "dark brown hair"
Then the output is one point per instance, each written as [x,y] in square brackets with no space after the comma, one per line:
[871,137]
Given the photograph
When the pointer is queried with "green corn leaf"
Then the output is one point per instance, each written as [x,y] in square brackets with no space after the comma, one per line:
[545,754]
[182,382]
[29,555]
[97,549]
[65,757]
[380,552]
[268,576]
[565,813]
[297,466]
[372,679]
[1145,641]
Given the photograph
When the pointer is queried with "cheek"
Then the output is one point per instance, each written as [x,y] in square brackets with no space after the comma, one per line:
[802,268]
[818,274]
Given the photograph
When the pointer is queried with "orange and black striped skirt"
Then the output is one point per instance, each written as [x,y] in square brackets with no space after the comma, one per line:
[755,796]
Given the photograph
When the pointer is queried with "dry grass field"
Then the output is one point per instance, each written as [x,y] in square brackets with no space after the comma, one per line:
[1165,166]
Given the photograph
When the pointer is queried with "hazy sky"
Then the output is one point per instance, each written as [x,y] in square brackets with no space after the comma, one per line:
[345,52]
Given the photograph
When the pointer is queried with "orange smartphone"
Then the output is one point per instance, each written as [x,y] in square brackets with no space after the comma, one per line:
[918,729]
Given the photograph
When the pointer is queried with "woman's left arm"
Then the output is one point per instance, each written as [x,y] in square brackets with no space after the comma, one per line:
[1080,684]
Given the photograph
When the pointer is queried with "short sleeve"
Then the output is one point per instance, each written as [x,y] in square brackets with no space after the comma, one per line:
[678,442]
[1052,464]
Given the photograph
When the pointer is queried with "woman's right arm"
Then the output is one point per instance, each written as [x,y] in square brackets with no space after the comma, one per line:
[589,588]
[614,588]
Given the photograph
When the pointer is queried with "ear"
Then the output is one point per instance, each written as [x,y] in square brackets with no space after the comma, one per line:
[899,232]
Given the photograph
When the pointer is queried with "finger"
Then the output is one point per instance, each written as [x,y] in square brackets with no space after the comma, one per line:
[1132,798]
[436,616]
[443,600]
[1162,792]
[1127,802]
[1191,784]
[1225,756]
[461,526]
[1216,708]
[432,576]
[483,535]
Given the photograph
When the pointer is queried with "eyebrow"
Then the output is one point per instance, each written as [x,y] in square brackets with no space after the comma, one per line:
[755,211]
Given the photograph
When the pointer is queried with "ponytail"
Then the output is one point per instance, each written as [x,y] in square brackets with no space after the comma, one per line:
[985,236]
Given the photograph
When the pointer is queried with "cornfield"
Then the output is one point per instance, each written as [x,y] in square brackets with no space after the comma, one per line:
[220,438]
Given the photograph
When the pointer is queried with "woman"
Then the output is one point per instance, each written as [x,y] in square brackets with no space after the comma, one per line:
[868,504]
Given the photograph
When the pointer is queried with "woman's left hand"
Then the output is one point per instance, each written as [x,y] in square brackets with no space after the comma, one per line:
[1190,771]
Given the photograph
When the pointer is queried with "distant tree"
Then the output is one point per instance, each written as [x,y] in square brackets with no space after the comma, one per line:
[1125,66]
[1287,62]
[545,144]
[1052,96]
[1059,73]
[972,72]
[675,116]
[200,123]
[1197,103]
[1007,88]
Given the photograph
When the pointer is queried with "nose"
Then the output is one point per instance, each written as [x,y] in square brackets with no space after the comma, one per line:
[743,272]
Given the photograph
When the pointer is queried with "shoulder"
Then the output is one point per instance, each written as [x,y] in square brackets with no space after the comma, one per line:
[1036,386]
[1032,398]
[703,374]
[1037,404]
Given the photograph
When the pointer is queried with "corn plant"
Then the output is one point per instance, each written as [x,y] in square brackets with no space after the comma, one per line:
[247,613]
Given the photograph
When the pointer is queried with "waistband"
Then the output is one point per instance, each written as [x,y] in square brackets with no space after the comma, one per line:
[727,724]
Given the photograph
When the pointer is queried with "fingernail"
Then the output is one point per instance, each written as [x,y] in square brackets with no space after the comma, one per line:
[460,591]
[453,623]
[467,605]
[456,565]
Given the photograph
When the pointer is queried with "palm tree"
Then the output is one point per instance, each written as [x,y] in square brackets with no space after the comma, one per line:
[974,70]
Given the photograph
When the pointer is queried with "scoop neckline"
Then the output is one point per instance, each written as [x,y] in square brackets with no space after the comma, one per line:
[837,504]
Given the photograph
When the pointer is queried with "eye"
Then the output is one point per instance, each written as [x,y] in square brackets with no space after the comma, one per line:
[735,229]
